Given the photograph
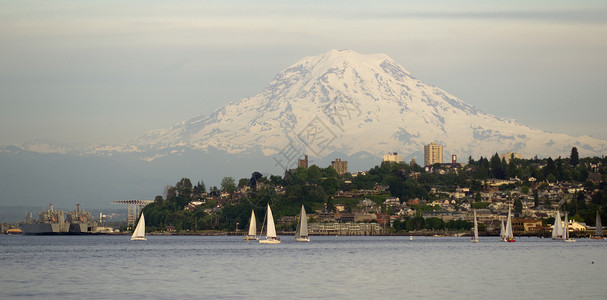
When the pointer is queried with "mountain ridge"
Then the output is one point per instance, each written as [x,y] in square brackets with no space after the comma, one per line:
[387,109]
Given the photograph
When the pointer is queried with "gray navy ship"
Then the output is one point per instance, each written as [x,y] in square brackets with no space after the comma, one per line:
[54,221]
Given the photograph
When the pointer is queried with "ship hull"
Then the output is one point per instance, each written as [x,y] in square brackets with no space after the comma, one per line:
[40,229]
[55,229]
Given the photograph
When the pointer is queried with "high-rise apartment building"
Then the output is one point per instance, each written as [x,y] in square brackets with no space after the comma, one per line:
[433,153]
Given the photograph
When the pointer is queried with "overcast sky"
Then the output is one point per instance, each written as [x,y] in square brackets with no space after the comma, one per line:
[107,71]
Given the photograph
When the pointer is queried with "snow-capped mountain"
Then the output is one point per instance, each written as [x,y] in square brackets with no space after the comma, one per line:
[346,102]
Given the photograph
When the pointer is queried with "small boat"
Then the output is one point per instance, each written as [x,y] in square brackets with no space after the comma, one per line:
[271,237]
[598,234]
[475,237]
[509,233]
[557,229]
[139,233]
[410,237]
[566,236]
[301,234]
[252,234]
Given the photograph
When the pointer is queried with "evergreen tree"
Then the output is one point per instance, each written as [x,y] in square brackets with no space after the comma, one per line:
[200,188]
[575,157]
[550,168]
[518,206]
[496,167]
[511,169]
[184,187]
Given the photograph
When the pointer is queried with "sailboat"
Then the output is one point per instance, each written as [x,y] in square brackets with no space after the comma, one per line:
[301,234]
[139,233]
[475,238]
[502,232]
[252,234]
[557,229]
[509,233]
[598,235]
[566,237]
[271,231]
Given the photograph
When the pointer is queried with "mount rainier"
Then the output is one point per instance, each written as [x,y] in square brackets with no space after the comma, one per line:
[345,102]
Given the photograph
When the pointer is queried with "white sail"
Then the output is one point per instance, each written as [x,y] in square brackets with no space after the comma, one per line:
[271,228]
[139,233]
[301,234]
[271,231]
[252,235]
[566,228]
[502,232]
[557,229]
[475,239]
[509,233]
[566,237]
[599,225]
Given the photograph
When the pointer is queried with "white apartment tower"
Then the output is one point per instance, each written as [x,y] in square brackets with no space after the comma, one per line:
[433,153]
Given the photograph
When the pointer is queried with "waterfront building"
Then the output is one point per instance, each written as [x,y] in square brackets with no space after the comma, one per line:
[344,228]
[433,154]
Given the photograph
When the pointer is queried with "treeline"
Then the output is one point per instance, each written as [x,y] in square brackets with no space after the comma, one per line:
[435,224]
[315,188]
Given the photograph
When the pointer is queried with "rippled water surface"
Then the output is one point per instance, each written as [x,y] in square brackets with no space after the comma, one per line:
[199,267]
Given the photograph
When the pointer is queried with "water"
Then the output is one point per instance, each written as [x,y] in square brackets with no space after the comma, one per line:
[199,267]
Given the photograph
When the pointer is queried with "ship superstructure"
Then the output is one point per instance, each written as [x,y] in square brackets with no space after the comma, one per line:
[53,221]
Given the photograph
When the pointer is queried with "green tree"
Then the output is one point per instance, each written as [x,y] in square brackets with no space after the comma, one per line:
[551,178]
[200,188]
[575,157]
[243,182]
[314,174]
[511,169]
[228,184]
[214,191]
[496,167]
[434,223]
[550,168]
[415,223]
[518,206]
[170,193]
[184,187]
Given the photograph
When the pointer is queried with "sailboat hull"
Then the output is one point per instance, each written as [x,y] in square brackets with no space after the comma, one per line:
[302,239]
[270,241]
[249,238]
[138,238]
